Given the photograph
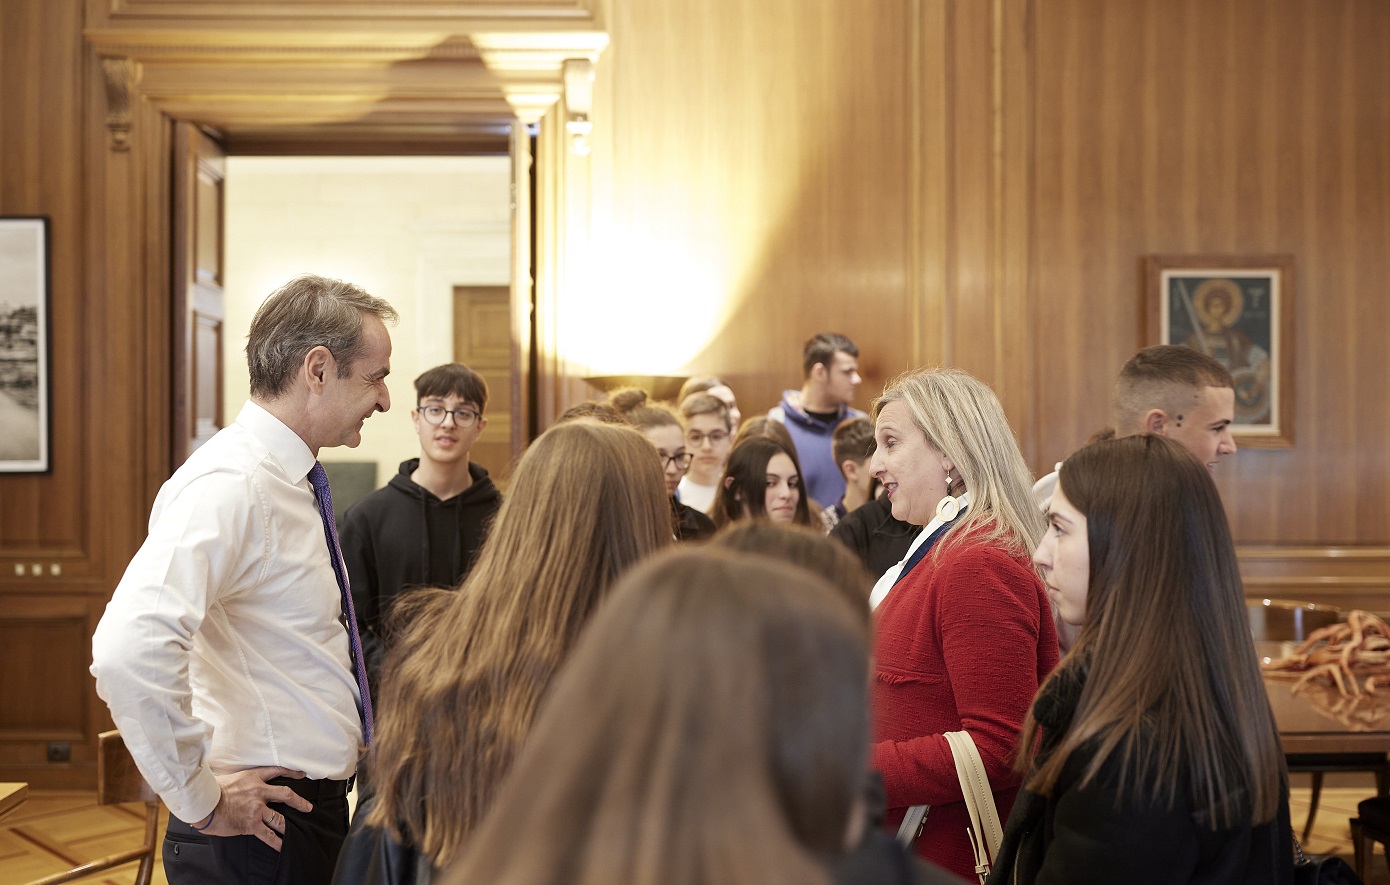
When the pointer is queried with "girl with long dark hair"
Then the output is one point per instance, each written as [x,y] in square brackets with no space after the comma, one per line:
[1158,760]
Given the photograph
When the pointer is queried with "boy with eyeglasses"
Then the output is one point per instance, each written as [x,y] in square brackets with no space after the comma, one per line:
[424,528]
[708,436]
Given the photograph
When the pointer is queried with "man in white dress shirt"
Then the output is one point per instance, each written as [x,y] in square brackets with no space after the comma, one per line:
[223,654]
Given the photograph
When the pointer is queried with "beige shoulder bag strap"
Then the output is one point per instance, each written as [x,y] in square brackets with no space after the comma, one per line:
[985,833]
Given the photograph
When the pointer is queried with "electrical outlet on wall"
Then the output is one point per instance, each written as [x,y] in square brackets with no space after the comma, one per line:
[59,751]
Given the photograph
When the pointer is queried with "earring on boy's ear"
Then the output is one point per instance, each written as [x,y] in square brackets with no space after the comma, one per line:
[948,507]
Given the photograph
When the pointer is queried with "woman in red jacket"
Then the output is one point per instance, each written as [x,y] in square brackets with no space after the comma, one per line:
[964,629]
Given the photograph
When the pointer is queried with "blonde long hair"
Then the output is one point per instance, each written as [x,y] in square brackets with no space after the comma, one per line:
[462,683]
[711,726]
[964,420]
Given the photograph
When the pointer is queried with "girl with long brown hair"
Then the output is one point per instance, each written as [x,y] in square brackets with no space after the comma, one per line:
[1158,759]
[709,729]
[462,684]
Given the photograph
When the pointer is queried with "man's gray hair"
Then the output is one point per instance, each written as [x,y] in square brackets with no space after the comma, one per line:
[306,312]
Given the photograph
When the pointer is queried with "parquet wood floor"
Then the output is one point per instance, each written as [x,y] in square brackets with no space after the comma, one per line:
[55,831]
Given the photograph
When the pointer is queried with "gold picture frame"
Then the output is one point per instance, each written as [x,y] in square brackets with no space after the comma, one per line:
[1238,309]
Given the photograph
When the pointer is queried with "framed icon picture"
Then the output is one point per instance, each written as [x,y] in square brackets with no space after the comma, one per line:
[24,336]
[1237,309]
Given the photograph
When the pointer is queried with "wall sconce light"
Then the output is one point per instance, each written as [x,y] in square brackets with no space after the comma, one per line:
[660,387]
[579,101]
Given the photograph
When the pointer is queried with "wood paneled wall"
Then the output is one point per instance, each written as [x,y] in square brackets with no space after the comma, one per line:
[947,181]
[1234,127]
[762,147]
[977,184]
[56,529]
[91,90]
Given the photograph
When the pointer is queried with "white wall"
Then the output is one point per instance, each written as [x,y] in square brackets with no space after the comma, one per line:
[407,229]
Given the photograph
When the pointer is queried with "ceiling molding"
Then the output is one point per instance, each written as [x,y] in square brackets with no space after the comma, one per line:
[531,66]
[372,12]
[238,77]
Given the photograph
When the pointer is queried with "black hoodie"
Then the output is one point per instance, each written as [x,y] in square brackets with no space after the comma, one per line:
[402,536]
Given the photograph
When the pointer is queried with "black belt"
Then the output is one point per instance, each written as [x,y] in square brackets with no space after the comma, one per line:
[314,790]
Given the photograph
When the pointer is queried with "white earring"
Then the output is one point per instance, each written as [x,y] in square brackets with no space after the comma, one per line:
[948,507]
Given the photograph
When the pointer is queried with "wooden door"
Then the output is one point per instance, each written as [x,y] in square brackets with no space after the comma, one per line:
[483,342]
[199,175]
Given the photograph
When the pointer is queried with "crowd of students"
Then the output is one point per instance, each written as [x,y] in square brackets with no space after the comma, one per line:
[655,666]
[708,728]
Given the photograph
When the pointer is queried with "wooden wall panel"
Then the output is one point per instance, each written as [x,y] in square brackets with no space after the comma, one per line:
[760,150]
[89,144]
[1350,577]
[1037,151]
[52,545]
[41,516]
[1236,127]
[42,638]
[859,168]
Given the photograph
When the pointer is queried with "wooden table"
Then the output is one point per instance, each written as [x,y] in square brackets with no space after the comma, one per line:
[12,795]
[1318,720]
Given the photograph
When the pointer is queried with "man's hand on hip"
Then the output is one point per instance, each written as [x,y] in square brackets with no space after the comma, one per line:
[244,810]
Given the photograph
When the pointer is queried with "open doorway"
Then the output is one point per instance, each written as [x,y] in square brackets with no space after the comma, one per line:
[430,234]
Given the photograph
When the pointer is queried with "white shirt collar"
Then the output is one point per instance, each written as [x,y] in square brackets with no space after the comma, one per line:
[890,577]
[284,444]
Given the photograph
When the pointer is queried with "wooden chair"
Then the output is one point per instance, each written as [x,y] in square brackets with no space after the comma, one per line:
[1372,824]
[119,781]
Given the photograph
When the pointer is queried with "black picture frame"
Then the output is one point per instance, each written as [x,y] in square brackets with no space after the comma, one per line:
[25,351]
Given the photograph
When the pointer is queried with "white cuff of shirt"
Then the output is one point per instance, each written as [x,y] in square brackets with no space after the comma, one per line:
[197,800]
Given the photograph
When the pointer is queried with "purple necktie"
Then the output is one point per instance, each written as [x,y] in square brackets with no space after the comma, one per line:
[319,480]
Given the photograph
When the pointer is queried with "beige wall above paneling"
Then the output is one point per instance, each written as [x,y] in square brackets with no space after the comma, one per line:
[408,229]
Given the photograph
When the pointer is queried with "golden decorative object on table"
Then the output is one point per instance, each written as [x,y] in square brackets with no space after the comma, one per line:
[1353,657]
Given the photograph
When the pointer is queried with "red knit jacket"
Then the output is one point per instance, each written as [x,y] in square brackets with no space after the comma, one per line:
[963,641]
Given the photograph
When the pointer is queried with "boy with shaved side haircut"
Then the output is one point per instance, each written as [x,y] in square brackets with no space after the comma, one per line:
[1181,393]
[1168,390]
[1174,391]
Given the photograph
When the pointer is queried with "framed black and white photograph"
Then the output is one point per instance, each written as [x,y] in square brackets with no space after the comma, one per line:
[1238,310]
[24,356]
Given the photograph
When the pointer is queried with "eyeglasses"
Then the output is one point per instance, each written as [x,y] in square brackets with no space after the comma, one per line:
[695,438]
[462,417]
[681,461]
